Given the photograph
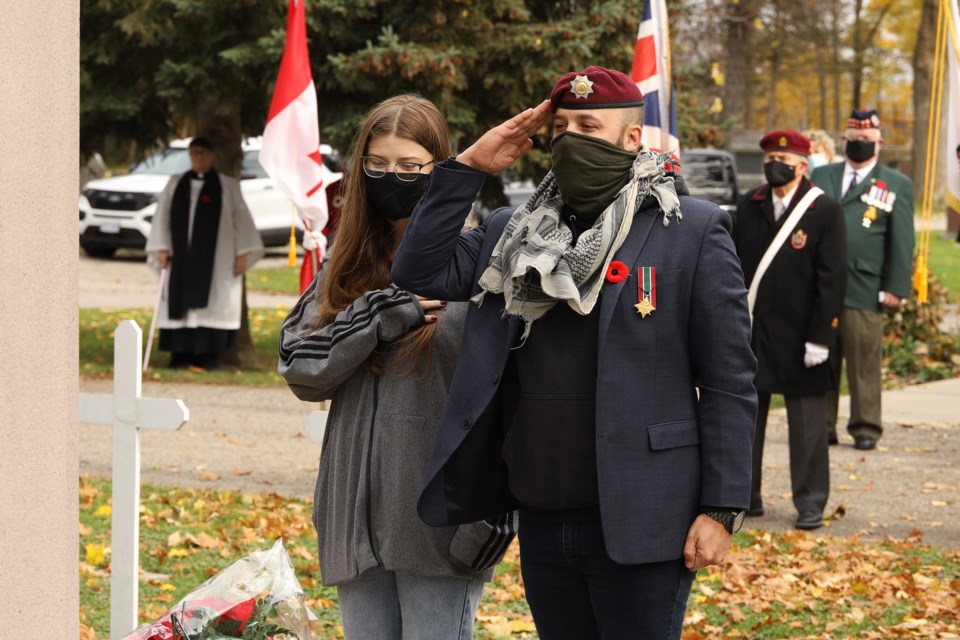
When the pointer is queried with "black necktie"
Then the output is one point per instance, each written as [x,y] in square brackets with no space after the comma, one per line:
[853,185]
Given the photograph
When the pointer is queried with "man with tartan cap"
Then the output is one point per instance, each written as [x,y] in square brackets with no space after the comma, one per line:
[878,208]
[605,382]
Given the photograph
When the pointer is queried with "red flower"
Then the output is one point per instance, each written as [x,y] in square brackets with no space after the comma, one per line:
[881,184]
[241,613]
[617,272]
[205,198]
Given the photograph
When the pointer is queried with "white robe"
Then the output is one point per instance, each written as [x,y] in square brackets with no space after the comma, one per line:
[236,235]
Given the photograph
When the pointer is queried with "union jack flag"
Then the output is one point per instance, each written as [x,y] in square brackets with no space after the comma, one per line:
[651,72]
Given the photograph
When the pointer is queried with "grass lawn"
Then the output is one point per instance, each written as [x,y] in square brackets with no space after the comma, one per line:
[275,280]
[786,585]
[944,261]
[97,327]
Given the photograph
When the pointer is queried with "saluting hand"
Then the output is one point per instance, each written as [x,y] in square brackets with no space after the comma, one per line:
[499,147]
[707,543]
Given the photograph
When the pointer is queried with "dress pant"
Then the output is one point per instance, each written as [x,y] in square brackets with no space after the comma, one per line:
[576,591]
[809,452]
[861,344]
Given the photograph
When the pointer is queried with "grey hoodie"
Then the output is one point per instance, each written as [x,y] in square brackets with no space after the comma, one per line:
[379,437]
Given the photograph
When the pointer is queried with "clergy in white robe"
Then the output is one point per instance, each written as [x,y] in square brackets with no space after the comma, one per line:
[204,232]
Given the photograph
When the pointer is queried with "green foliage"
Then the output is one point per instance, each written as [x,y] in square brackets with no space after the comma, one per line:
[914,349]
[149,68]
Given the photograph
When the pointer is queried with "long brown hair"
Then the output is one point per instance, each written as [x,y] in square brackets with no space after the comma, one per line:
[365,241]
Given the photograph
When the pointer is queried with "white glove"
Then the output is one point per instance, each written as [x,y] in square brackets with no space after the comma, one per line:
[314,239]
[815,354]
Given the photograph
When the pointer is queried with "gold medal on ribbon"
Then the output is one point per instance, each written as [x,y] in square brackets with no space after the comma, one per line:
[646,291]
[869,216]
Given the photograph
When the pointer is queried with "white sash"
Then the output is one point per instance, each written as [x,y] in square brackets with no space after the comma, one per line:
[778,241]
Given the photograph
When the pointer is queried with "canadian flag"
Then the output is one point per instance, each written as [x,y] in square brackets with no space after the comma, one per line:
[290,153]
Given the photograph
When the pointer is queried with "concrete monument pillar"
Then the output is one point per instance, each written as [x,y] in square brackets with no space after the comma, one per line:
[39,151]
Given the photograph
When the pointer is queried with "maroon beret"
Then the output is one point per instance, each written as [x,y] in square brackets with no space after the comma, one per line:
[595,88]
[786,140]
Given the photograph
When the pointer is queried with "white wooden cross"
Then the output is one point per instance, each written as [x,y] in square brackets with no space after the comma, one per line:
[316,424]
[128,413]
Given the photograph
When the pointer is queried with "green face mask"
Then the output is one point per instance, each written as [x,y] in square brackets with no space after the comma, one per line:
[589,171]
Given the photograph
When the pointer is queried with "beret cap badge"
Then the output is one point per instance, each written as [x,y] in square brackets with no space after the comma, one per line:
[783,141]
[581,86]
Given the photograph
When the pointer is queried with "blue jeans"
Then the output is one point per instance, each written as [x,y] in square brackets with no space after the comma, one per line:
[576,591]
[384,605]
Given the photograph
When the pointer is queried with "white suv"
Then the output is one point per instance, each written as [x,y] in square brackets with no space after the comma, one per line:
[116,212]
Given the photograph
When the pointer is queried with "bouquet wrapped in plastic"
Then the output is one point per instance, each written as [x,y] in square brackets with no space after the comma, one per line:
[256,598]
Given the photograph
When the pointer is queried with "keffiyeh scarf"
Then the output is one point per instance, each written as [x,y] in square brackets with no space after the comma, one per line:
[536,264]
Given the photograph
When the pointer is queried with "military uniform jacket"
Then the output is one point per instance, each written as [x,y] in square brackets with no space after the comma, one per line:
[675,401]
[879,256]
[801,294]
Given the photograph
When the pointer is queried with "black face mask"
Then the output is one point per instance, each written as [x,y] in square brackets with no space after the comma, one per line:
[860,150]
[393,198]
[778,173]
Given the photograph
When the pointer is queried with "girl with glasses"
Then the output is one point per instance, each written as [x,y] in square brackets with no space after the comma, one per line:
[384,357]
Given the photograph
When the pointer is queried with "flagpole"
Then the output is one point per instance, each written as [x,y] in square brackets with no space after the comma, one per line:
[292,252]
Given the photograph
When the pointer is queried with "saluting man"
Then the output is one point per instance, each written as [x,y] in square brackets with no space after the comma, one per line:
[878,207]
[792,244]
[605,384]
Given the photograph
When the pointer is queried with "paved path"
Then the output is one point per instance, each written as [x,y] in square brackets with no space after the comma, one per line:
[252,440]
[126,281]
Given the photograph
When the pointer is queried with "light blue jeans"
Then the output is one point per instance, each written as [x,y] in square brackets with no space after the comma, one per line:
[384,605]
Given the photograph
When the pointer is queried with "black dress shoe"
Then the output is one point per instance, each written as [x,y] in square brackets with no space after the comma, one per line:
[832,438]
[808,520]
[864,442]
[754,512]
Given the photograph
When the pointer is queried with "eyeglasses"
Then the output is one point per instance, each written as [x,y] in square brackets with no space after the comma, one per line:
[406,171]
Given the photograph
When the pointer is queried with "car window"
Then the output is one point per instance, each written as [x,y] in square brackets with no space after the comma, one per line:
[710,178]
[166,162]
[251,166]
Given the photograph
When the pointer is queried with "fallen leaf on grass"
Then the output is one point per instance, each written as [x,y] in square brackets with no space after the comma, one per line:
[241,472]
[209,475]
[96,554]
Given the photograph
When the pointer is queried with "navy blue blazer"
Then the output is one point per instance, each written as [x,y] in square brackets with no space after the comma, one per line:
[676,405]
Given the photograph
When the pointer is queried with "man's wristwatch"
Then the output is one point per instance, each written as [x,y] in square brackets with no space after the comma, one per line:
[731,520]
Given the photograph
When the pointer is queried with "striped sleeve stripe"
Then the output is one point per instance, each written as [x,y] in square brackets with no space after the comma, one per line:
[380,303]
[317,346]
[503,530]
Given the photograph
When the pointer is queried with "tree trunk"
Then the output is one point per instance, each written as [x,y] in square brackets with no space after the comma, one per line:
[223,129]
[739,38]
[858,46]
[922,80]
[837,67]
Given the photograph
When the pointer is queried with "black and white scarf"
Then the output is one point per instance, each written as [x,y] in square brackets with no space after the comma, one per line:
[536,264]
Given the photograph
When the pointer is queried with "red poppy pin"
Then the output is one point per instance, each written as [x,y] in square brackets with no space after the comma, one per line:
[881,184]
[617,272]
[205,198]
